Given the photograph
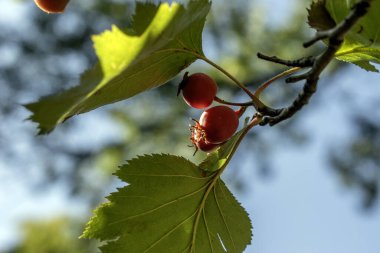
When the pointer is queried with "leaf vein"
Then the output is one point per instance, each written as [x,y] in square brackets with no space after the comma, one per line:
[170,176]
[159,207]
[169,232]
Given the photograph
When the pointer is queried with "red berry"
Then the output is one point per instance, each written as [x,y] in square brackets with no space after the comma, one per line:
[52,6]
[218,123]
[206,147]
[198,90]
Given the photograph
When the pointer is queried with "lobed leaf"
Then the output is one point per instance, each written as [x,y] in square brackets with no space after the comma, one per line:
[169,205]
[153,51]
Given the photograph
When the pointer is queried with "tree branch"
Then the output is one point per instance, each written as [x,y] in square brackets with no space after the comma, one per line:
[335,38]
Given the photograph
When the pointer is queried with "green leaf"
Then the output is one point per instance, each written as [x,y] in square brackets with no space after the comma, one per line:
[318,16]
[362,44]
[170,206]
[219,158]
[162,41]
[366,65]
[359,55]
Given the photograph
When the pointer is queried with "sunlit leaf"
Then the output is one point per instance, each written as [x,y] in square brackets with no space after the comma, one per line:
[170,206]
[154,50]
[359,55]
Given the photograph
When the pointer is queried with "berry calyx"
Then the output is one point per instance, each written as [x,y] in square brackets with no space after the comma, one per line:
[198,139]
[198,90]
[218,124]
[52,6]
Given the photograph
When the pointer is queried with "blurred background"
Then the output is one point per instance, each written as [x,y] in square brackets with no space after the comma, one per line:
[309,184]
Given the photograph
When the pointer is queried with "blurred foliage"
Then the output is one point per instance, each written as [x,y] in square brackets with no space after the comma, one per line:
[48,53]
[358,162]
[53,236]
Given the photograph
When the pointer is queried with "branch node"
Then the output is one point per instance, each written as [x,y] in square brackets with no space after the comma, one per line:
[319,36]
[334,38]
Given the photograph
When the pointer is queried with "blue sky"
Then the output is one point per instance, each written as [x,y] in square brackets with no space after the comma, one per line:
[305,208]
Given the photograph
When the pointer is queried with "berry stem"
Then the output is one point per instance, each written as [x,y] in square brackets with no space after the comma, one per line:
[270,81]
[222,101]
[255,100]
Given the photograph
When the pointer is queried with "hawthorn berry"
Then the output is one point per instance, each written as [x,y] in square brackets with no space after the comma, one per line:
[218,124]
[206,147]
[52,6]
[198,90]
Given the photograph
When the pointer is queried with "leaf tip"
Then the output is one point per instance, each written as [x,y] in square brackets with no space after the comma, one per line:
[34,117]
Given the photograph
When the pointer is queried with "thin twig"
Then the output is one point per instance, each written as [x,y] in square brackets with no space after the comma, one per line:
[294,79]
[267,83]
[302,63]
[335,38]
